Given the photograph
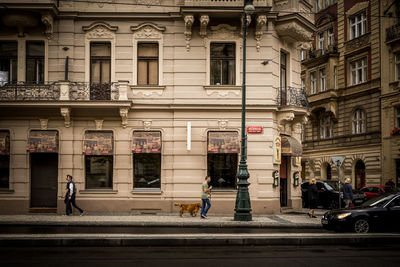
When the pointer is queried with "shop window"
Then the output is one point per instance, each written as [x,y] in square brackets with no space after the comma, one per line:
[222,58]
[358,25]
[4,159]
[98,150]
[222,159]
[8,62]
[358,71]
[147,64]
[358,123]
[146,149]
[35,62]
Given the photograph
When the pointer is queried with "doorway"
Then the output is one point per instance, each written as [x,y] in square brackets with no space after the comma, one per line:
[44,179]
[359,174]
[284,181]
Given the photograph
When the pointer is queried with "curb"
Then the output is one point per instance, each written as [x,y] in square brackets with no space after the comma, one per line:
[194,240]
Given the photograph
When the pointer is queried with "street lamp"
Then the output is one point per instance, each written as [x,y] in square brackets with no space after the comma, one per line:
[243,205]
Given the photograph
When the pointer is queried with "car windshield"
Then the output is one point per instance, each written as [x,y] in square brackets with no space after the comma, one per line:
[328,187]
[378,201]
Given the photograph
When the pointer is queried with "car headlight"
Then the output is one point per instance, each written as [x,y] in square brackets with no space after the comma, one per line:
[343,215]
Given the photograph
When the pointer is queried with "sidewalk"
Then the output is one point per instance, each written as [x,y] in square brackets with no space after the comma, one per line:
[288,220]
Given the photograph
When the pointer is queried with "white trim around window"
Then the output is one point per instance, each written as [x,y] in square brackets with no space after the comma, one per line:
[322,80]
[358,71]
[358,25]
[358,122]
[326,127]
[313,82]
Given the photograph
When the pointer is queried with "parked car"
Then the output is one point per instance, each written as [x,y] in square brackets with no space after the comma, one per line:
[376,190]
[382,212]
[328,196]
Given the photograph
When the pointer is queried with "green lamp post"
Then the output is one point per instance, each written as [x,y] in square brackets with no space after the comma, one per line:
[243,205]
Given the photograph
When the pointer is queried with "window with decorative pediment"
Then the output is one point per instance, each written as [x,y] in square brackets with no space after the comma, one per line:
[148,55]
[358,25]
[222,67]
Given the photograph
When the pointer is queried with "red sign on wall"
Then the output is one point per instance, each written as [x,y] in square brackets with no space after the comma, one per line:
[254,129]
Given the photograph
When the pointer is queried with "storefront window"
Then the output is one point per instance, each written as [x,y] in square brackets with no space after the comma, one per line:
[4,159]
[98,150]
[222,159]
[146,149]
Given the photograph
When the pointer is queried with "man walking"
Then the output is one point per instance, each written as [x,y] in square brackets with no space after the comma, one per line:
[70,194]
[205,197]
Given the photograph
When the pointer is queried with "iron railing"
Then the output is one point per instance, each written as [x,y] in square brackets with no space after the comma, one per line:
[226,3]
[29,91]
[93,91]
[291,96]
[393,33]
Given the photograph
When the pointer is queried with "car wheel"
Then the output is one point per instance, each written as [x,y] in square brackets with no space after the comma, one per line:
[361,226]
[333,205]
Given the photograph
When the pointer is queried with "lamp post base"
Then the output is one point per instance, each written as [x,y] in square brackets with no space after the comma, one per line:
[243,217]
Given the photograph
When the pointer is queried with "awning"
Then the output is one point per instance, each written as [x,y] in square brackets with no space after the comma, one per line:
[4,143]
[98,143]
[223,142]
[290,146]
[146,142]
[43,141]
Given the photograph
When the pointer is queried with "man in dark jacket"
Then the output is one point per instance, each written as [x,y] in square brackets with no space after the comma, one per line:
[70,194]
[312,197]
[347,192]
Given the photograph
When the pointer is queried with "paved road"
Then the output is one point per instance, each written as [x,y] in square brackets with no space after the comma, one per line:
[321,256]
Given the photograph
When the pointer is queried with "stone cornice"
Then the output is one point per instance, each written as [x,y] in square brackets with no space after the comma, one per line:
[99,24]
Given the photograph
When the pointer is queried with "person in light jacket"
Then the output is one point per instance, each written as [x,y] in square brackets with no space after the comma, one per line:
[347,192]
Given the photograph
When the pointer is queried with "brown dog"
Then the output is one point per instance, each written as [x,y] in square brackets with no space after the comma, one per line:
[193,209]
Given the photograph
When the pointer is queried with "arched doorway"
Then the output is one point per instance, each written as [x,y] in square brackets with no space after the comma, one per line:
[326,171]
[359,174]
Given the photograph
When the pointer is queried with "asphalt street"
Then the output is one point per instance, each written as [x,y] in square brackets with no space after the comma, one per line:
[321,256]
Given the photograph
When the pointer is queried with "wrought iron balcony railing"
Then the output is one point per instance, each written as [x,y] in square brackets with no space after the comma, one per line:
[393,33]
[291,96]
[225,3]
[93,91]
[29,91]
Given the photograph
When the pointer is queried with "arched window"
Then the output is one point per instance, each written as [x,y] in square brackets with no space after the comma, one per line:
[358,123]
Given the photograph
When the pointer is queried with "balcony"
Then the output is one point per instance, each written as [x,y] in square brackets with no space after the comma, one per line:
[392,34]
[226,3]
[64,91]
[291,96]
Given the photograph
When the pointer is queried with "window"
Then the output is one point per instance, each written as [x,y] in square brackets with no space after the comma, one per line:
[303,54]
[146,160]
[8,62]
[147,64]
[397,66]
[331,37]
[222,58]
[35,62]
[98,150]
[334,77]
[283,81]
[303,86]
[322,78]
[358,25]
[100,63]
[321,42]
[398,116]
[325,127]
[358,122]
[222,159]
[4,159]
[358,70]
[313,84]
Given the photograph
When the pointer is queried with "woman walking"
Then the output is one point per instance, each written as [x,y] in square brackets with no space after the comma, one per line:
[347,193]
[312,197]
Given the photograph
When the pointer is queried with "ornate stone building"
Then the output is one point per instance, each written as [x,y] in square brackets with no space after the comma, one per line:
[342,76]
[140,100]
[390,99]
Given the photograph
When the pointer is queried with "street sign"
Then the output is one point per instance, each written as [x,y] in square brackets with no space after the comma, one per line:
[254,129]
[338,160]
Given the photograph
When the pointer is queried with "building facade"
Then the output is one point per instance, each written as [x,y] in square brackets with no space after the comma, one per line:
[140,100]
[390,99]
[342,77]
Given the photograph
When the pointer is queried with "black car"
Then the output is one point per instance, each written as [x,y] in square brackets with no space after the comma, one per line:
[328,197]
[382,212]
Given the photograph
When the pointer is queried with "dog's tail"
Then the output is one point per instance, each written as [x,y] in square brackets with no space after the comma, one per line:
[177,204]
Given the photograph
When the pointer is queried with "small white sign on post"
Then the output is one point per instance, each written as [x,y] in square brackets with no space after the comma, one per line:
[338,160]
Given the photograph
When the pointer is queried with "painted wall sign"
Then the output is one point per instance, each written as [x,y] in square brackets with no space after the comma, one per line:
[43,141]
[223,142]
[98,143]
[254,129]
[146,142]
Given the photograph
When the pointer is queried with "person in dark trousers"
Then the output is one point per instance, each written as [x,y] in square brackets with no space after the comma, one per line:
[347,192]
[70,194]
[205,197]
[312,197]
[390,183]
